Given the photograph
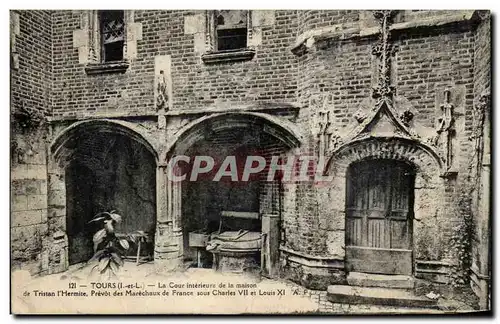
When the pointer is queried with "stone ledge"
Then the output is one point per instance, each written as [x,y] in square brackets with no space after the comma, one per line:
[228,56]
[230,107]
[313,261]
[106,115]
[108,67]
[380,280]
[353,30]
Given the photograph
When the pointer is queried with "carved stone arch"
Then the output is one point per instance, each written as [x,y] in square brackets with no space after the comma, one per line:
[58,146]
[423,158]
[196,130]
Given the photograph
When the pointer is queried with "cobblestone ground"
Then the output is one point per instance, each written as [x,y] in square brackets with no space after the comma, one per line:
[325,306]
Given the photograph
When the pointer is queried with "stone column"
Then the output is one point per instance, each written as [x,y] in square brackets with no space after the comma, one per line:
[169,241]
[55,255]
[271,243]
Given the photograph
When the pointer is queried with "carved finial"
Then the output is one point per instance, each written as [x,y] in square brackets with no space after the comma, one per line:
[384,50]
[360,116]
[406,117]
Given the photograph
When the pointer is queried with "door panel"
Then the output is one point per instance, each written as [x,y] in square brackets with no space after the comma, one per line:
[379,217]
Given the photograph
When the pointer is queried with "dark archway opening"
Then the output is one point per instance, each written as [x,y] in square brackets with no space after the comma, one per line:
[109,172]
[206,202]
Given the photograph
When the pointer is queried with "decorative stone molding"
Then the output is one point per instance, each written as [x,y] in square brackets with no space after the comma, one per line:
[196,130]
[384,50]
[421,156]
[322,126]
[228,56]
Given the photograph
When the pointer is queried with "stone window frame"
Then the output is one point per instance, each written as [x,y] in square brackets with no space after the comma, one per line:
[88,41]
[212,55]
[105,28]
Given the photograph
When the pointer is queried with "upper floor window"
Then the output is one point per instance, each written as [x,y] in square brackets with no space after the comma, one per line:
[231,29]
[112,29]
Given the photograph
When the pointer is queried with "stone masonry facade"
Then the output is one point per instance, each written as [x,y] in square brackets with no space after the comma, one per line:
[350,86]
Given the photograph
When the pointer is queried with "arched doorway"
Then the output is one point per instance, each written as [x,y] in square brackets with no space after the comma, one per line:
[408,168]
[99,166]
[197,206]
[379,217]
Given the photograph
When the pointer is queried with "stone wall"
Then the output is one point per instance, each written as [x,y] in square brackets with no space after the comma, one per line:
[31,80]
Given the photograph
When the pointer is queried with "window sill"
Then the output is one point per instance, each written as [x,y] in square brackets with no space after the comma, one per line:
[244,54]
[108,67]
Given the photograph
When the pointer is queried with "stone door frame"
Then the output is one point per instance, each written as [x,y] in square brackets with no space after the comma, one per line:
[429,184]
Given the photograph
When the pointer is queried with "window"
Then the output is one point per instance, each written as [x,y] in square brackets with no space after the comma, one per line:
[229,34]
[112,29]
[231,27]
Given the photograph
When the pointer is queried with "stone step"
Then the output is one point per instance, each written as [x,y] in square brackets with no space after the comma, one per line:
[378,296]
[378,280]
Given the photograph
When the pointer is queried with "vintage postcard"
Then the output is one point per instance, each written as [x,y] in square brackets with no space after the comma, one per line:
[250,161]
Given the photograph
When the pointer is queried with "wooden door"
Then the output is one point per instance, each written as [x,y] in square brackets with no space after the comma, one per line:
[379,217]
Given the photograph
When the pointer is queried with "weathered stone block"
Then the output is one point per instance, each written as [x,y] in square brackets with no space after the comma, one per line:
[37,202]
[83,54]
[263,18]
[18,172]
[36,171]
[335,243]
[256,39]
[27,217]
[80,38]
[57,223]
[194,24]
[56,198]
[19,202]
[26,241]
[199,43]
[134,32]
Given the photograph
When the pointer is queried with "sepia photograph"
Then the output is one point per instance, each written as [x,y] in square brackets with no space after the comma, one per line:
[250,162]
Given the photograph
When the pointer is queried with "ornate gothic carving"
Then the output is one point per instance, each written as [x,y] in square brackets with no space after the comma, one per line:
[324,132]
[406,117]
[384,50]
[446,131]
[360,116]
[162,91]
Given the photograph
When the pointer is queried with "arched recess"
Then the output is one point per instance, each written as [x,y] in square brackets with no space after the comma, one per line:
[115,162]
[428,189]
[232,132]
